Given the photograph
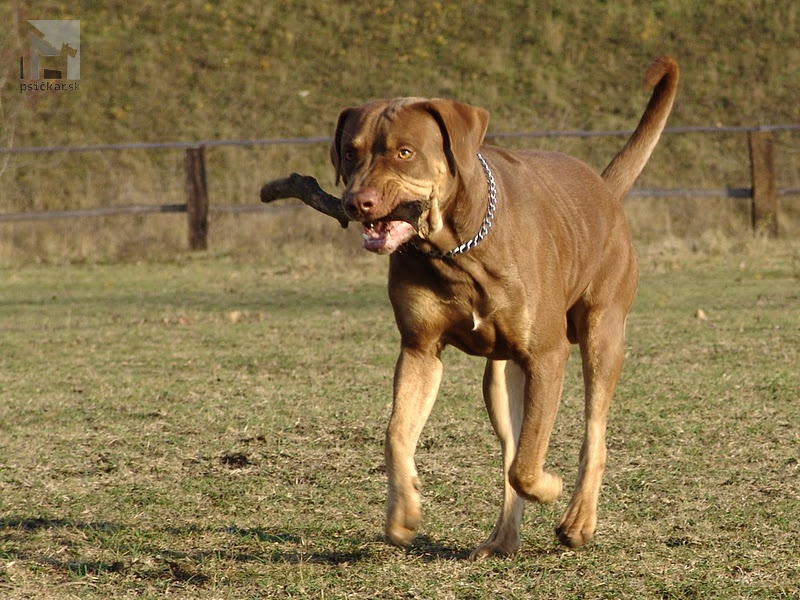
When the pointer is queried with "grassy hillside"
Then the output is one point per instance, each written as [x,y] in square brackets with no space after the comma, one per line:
[195,70]
[153,71]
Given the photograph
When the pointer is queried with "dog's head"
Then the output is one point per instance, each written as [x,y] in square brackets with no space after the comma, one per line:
[393,152]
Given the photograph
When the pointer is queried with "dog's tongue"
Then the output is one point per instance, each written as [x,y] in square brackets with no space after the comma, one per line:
[384,237]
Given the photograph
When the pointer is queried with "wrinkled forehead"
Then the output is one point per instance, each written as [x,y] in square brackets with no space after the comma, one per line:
[390,121]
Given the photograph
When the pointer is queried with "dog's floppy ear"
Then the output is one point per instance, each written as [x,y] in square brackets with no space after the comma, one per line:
[336,146]
[463,128]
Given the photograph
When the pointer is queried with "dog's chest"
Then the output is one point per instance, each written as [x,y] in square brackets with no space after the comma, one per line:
[486,326]
[480,312]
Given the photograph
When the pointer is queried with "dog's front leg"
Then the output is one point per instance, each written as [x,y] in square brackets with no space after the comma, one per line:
[416,383]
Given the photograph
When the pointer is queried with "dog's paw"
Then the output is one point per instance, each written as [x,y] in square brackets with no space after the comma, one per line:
[497,545]
[403,517]
[543,488]
[577,526]
[401,527]
[398,535]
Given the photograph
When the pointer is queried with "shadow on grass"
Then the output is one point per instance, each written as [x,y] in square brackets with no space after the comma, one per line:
[127,547]
[429,550]
[423,549]
[109,550]
[35,523]
[26,526]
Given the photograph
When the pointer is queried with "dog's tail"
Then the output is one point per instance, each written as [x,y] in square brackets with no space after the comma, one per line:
[622,171]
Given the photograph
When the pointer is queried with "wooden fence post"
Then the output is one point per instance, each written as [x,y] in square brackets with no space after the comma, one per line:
[196,197]
[762,165]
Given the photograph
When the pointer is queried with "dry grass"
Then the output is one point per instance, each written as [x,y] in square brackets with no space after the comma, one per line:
[152,74]
[211,427]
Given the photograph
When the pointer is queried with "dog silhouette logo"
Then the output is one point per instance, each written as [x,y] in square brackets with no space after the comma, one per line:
[55,50]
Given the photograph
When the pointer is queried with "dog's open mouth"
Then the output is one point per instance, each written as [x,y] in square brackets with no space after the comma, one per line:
[384,237]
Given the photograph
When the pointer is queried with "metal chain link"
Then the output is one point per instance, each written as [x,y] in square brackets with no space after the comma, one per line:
[488,220]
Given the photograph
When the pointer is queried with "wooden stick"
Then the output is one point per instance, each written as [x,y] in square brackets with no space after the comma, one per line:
[306,189]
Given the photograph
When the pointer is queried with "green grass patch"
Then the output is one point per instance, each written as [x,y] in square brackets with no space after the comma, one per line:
[212,428]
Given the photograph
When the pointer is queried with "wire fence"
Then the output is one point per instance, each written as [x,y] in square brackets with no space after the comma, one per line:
[763,191]
[327,140]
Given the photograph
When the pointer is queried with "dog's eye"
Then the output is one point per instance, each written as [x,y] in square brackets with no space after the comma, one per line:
[349,155]
[405,153]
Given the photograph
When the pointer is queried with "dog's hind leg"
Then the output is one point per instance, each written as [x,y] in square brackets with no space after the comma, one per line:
[544,382]
[503,392]
[601,336]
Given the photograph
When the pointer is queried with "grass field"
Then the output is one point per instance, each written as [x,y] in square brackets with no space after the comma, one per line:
[212,427]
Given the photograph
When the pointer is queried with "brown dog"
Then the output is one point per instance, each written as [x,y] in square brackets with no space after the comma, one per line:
[518,255]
